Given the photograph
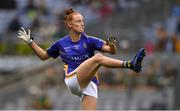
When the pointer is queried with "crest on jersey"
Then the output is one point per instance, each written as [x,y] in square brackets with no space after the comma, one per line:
[85,45]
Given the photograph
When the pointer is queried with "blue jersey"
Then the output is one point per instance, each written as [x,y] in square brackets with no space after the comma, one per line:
[74,53]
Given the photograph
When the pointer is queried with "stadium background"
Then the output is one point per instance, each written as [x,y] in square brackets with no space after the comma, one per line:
[29,83]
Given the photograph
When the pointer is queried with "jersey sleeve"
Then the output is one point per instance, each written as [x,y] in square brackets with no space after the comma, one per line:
[95,43]
[53,51]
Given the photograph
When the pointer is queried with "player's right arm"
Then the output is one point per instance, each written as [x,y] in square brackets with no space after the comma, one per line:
[26,37]
[41,53]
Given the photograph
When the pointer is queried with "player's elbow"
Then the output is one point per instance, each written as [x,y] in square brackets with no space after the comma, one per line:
[43,58]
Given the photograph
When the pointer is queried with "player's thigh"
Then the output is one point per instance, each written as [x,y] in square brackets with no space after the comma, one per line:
[90,64]
[87,70]
[89,103]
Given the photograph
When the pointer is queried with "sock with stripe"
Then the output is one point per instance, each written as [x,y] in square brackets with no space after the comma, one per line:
[127,64]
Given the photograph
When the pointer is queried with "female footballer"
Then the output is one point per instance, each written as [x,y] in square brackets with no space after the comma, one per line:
[81,64]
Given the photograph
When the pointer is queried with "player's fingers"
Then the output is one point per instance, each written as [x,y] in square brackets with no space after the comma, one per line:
[19,37]
[23,30]
[112,38]
[21,33]
[109,38]
[29,31]
[115,39]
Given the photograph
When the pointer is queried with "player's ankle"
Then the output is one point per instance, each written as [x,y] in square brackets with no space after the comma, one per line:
[127,64]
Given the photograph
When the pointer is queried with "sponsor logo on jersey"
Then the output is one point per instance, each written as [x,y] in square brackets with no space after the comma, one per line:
[80,57]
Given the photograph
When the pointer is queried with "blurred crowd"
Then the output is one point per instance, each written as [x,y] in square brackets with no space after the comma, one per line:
[153,76]
[166,33]
[45,19]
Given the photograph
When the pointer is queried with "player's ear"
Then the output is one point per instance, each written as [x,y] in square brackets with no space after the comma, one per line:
[69,24]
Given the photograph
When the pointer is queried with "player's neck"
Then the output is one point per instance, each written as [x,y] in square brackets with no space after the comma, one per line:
[75,36]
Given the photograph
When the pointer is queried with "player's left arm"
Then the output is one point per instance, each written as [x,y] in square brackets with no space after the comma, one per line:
[110,46]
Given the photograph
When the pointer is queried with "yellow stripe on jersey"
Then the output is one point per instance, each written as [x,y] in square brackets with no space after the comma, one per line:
[71,75]
[66,72]
[97,77]
[66,69]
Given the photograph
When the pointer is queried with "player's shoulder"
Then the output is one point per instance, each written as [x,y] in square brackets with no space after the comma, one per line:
[63,39]
[92,38]
[88,36]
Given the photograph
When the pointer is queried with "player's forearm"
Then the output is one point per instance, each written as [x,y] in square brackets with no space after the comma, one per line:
[41,53]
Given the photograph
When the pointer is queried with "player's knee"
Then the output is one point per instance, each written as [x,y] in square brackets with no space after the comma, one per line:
[98,57]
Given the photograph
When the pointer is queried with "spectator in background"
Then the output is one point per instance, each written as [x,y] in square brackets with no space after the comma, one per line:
[176,43]
[42,102]
[28,14]
[105,9]
[163,42]
[170,70]
[174,25]
[176,15]
[8,4]
[42,17]
[14,25]
[60,27]
[30,5]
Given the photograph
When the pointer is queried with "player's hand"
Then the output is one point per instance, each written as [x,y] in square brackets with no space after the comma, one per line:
[112,41]
[26,37]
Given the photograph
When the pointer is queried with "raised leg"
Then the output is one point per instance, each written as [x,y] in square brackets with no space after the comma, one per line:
[87,70]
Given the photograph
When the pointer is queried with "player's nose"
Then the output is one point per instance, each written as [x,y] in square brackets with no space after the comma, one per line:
[82,23]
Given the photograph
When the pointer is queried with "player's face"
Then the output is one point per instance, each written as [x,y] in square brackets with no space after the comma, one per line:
[77,23]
